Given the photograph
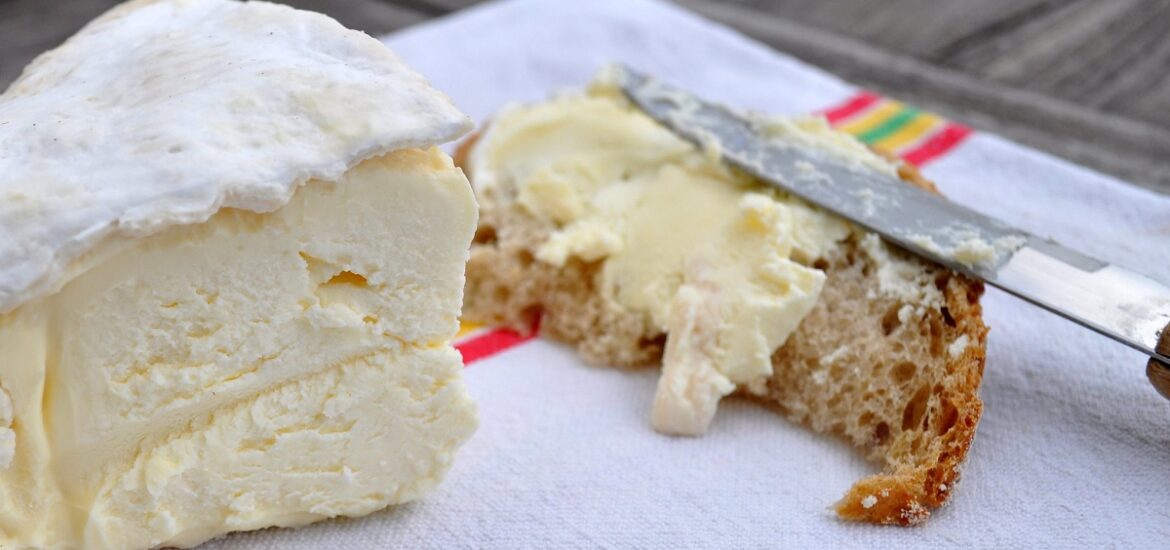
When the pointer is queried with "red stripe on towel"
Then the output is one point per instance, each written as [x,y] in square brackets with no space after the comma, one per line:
[937,145]
[490,343]
[852,106]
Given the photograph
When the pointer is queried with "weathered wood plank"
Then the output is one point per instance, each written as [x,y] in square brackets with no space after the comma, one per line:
[1131,149]
[1015,55]
[1092,55]
[439,6]
[1107,56]
[1111,56]
[1153,105]
[29,27]
[371,16]
[919,28]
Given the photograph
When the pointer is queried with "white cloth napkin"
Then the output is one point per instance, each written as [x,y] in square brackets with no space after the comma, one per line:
[1073,449]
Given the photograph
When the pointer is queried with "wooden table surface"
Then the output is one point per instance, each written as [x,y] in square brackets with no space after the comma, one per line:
[1087,80]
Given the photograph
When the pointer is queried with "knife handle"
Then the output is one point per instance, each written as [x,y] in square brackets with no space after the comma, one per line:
[1157,371]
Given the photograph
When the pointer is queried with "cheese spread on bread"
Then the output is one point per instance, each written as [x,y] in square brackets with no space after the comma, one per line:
[717,261]
[231,264]
[637,249]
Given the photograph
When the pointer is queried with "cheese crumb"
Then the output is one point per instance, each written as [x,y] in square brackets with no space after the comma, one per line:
[972,250]
[807,171]
[915,513]
[814,132]
[870,201]
[868,502]
[956,349]
[898,277]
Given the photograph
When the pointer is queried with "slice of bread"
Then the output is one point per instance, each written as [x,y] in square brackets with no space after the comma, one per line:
[896,375]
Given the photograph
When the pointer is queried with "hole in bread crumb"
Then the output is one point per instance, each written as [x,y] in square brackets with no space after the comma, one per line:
[525,257]
[937,345]
[903,372]
[946,313]
[865,419]
[948,417]
[890,321]
[502,293]
[821,264]
[531,316]
[941,280]
[484,234]
[881,433]
[916,408]
[657,341]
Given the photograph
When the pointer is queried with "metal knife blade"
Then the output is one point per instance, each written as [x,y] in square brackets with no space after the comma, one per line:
[1123,305]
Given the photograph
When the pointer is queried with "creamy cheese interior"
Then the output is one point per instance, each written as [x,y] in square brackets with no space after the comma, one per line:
[253,370]
[719,262]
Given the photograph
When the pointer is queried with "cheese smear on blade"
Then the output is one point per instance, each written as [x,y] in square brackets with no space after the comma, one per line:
[716,260]
[231,265]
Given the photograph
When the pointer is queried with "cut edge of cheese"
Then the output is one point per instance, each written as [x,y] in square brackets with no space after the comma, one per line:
[162,112]
[254,370]
[231,264]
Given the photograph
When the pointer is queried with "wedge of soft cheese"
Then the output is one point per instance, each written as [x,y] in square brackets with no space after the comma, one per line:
[717,261]
[231,263]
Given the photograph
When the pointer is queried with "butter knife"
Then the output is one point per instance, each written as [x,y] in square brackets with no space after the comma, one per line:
[1121,304]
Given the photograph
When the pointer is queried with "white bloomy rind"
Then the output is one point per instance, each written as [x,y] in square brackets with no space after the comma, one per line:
[160,113]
